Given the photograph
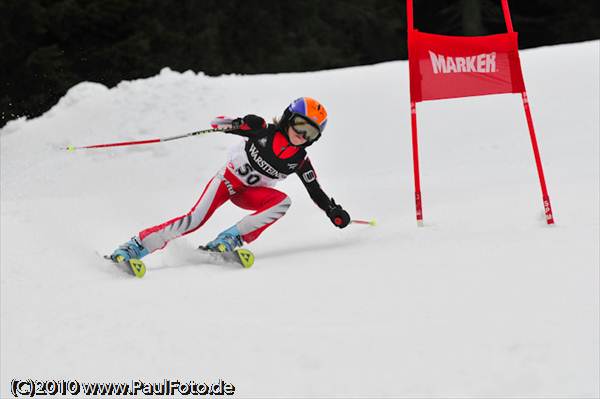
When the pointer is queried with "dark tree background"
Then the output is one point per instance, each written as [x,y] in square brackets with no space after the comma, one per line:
[48,46]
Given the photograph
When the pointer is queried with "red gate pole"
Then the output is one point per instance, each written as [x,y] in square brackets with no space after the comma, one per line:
[413,122]
[536,151]
[415,145]
[538,160]
[506,13]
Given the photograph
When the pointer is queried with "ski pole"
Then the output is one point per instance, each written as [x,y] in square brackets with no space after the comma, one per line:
[72,148]
[371,222]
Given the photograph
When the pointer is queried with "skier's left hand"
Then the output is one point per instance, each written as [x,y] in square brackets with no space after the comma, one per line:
[338,216]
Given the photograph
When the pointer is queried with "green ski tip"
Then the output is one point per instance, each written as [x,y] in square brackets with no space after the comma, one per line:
[137,267]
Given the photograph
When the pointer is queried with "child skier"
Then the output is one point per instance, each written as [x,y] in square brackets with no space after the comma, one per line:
[268,155]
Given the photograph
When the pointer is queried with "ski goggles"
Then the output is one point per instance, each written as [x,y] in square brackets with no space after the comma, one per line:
[305,127]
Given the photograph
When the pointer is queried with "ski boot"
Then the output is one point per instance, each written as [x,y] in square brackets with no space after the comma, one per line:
[129,254]
[227,243]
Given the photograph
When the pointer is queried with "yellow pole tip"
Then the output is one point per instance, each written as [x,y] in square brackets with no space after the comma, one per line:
[70,148]
[373,222]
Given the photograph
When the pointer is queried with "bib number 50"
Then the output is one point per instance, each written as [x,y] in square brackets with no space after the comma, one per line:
[245,171]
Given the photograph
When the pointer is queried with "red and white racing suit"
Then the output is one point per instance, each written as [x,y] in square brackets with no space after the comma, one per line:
[263,159]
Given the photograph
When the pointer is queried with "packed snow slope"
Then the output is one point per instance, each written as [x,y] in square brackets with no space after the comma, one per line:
[485,300]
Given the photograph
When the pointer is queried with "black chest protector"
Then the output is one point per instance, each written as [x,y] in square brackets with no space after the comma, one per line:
[270,153]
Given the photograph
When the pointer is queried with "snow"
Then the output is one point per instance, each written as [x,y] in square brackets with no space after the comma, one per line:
[486,300]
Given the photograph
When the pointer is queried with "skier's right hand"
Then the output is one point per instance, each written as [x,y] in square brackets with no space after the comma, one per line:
[247,123]
[225,123]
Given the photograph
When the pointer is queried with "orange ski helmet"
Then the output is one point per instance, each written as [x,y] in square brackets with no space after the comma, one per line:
[307,117]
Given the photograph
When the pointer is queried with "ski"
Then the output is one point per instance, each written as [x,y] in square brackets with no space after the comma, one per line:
[241,256]
[134,267]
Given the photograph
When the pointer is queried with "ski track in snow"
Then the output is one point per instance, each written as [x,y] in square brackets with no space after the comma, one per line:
[484,301]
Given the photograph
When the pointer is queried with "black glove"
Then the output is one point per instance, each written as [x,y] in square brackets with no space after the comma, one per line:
[236,123]
[338,216]
[248,122]
[230,125]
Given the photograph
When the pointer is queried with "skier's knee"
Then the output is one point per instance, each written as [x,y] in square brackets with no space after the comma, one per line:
[279,208]
[285,204]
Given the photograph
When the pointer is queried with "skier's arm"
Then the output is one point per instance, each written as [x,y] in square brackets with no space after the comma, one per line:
[338,216]
[246,126]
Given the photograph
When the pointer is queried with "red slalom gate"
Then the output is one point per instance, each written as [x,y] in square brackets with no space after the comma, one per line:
[443,67]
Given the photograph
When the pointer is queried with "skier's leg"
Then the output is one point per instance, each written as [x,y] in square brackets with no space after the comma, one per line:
[270,205]
[153,238]
[218,191]
[157,237]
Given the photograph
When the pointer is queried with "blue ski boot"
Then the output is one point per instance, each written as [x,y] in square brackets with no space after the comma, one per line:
[226,248]
[132,249]
[226,241]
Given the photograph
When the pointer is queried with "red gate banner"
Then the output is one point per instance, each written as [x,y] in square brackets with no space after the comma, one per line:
[454,66]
